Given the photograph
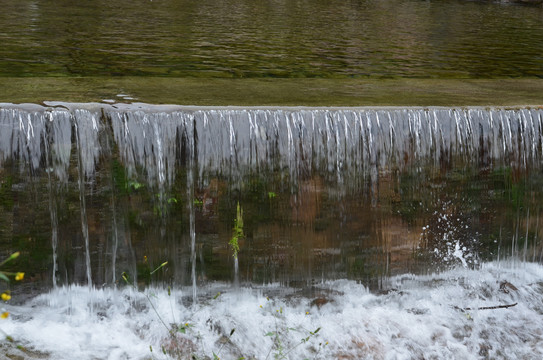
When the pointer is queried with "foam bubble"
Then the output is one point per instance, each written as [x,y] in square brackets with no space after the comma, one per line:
[443,315]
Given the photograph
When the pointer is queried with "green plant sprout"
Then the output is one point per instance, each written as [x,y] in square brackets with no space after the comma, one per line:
[4,275]
[158,268]
[197,202]
[134,185]
[281,347]
[238,232]
[280,333]
[216,356]
[174,328]
[124,275]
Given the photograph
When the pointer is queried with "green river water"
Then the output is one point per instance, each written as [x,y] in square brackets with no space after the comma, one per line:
[278,52]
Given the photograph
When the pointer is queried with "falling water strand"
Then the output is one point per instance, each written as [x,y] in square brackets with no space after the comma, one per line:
[535,235]
[53,215]
[526,237]
[514,245]
[115,234]
[160,168]
[83,207]
[192,235]
[236,272]
[192,229]
[115,239]
[54,232]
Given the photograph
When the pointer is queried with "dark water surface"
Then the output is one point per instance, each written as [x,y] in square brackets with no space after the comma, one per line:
[276,38]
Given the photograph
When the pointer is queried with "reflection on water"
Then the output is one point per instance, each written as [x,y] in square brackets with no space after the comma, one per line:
[94,192]
[278,38]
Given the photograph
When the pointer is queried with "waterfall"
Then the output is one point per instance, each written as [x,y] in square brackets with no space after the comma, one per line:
[339,142]
[352,152]
[427,216]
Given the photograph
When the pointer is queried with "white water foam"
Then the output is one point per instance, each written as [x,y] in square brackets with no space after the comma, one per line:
[420,317]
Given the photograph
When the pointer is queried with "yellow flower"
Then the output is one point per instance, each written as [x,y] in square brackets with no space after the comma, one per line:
[5,296]
[19,276]
[4,315]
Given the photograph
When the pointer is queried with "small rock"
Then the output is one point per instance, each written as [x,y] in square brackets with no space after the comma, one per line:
[506,286]
[320,301]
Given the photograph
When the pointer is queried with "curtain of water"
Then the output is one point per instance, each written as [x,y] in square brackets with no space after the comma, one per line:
[83,208]
[351,150]
[53,213]
[190,135]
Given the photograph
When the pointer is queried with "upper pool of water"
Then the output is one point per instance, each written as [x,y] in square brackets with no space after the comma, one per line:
[273,38]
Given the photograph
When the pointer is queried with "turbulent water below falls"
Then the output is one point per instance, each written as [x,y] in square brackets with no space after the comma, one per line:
[419,317]
[359,232]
